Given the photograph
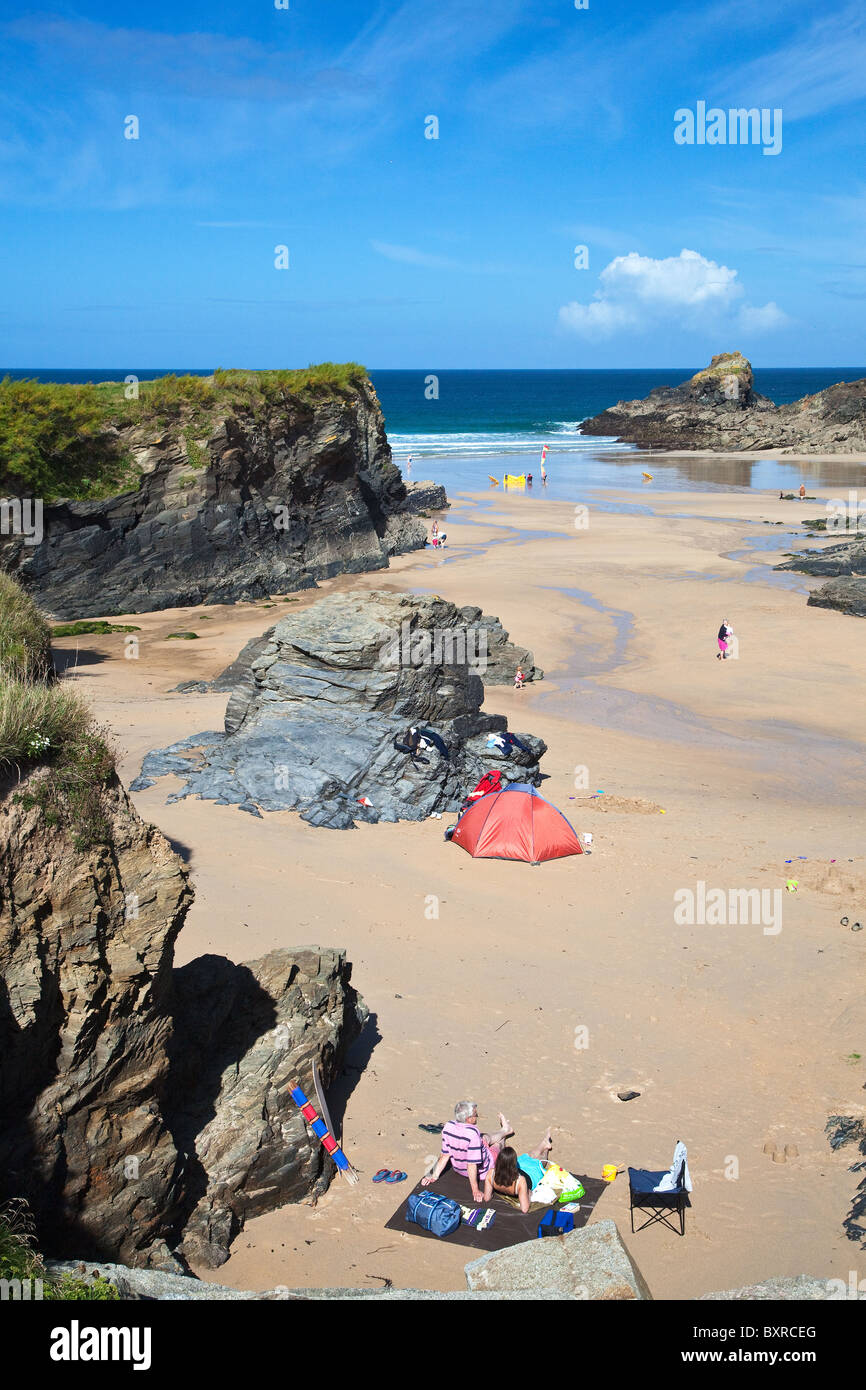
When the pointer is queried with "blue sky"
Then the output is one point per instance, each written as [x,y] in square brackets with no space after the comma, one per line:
[305,127]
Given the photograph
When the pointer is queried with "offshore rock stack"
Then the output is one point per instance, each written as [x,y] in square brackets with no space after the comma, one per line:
[719,409]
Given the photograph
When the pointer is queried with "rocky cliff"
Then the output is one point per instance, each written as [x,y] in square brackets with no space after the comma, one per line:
[244,496]
[144,1109]
[312,726]
[845,568]
[718,409]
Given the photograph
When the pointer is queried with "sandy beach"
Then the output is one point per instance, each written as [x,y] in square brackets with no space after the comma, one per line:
[710,772]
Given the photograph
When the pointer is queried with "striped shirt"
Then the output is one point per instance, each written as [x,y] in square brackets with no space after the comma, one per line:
[464,1145]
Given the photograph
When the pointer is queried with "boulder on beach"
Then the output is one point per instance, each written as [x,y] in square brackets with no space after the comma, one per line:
[312,723]
[845,564]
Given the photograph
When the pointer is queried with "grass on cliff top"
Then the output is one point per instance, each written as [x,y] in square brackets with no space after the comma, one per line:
[61,440]
[43,722]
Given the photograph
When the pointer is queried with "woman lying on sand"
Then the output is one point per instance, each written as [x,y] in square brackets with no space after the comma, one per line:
[509,1178]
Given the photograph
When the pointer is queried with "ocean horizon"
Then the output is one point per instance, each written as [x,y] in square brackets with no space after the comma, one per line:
[489,412]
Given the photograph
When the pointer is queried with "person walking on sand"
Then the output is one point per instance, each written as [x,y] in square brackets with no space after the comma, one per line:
[507,1177]
[470,1153]
[519,679]
[725,632]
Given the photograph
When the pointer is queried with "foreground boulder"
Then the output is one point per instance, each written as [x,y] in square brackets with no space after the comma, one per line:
[719,409]
[147,1285]
[263,492]
[312,721]
[787,1288]
[590,1263]
[143,1107]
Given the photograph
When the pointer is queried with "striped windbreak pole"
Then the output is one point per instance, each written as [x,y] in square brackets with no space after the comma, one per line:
[321,1131]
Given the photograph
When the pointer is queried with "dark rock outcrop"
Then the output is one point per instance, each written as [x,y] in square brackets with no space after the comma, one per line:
[86,942]
[288,495]
[141,1105]
[312,726]
[851,1129]
[718,409]
[845,589]
[243,1034]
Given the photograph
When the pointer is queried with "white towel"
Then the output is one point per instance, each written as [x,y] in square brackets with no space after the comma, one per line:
[669,1181]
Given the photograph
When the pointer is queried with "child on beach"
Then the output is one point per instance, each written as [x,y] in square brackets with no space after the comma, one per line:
[725,631]
[519,679]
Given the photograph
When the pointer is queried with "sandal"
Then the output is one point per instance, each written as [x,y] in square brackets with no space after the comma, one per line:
[382,1174]
[396,1176]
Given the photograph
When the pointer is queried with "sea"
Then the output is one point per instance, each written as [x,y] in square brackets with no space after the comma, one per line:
[466,428]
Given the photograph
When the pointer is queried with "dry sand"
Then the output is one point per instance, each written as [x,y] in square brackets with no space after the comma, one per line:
[481,974]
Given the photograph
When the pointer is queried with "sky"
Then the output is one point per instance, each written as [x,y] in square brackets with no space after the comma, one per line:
[307,127]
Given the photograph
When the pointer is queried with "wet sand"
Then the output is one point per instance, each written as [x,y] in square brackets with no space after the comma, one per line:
[732,1035]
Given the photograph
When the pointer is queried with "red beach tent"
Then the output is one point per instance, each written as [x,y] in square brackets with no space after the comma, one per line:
[515,823]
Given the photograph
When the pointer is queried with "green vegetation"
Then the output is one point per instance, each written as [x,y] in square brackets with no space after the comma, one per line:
[182,636]
[18,1257]
[68,1288]
[25,651]
[88,627]
[80,764]
[45,723]
[20,1260]
[55,441]
[60,440]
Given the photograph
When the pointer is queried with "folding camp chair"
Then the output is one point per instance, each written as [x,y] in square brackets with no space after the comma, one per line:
[642,1184]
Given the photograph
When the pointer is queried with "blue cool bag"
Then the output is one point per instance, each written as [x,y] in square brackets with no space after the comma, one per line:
[555,1223]
[433,1212]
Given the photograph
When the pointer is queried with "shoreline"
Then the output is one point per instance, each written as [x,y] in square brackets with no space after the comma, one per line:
[485,981]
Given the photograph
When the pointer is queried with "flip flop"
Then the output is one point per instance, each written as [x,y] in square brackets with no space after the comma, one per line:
[396,1176]
[382,1174]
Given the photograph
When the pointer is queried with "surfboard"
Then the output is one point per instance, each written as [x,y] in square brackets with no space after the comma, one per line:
[494,481]
[647,477]
[323,1104]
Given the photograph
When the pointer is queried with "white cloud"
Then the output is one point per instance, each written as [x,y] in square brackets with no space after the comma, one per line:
[635,292]
[762,320]
[410,255]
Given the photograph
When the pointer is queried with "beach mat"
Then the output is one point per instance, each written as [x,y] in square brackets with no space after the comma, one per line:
[511,1226]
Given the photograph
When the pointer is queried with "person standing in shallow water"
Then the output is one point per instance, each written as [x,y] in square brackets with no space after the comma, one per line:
[802,492]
